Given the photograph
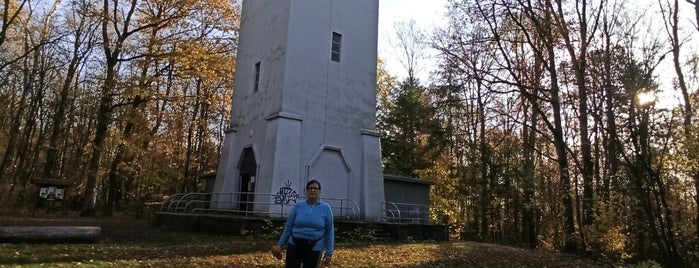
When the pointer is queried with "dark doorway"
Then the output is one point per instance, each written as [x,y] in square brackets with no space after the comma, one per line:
[248,169]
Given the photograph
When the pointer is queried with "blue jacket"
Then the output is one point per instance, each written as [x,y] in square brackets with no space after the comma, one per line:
[310,222]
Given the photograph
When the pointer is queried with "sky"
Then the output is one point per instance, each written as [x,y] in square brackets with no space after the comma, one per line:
[427,14]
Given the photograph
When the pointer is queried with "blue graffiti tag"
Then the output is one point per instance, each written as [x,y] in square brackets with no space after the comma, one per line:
[285,195]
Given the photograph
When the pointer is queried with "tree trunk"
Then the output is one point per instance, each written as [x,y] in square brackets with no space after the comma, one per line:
[115,177]
[14,136]
[570,243]
[486,190]
[112,53]
[528,218]
[103,120]
[611,164]
[63,104]
[688,109]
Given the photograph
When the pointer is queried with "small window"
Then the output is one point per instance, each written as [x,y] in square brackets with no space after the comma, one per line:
[257,76]
[335,49]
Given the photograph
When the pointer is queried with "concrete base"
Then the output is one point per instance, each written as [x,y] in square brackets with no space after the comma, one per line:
[50,234]
[238,225]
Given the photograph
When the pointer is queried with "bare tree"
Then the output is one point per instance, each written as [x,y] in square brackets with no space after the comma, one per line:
[410,45]
[696,12]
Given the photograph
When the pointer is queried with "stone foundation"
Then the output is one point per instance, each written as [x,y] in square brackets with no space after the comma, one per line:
[239,225]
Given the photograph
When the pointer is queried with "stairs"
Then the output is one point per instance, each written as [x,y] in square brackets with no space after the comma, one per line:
[378,232]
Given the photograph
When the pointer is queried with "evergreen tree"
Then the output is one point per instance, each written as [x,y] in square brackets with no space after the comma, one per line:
[407,126]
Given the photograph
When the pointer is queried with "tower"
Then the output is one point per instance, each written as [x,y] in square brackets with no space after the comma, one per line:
[304,106]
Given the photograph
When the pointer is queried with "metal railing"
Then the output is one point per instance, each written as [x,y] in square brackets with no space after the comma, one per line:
[249,204]
[393,212]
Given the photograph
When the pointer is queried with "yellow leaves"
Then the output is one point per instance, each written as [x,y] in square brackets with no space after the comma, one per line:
[389,255]
[201,59]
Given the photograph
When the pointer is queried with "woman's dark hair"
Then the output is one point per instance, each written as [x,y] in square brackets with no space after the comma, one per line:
[308,184]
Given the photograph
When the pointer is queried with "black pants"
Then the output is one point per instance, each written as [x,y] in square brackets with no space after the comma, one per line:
[294,258]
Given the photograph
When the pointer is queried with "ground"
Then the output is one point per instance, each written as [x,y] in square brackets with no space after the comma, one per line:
[127,242]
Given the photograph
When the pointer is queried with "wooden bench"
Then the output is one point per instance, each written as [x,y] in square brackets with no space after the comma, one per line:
[50,234]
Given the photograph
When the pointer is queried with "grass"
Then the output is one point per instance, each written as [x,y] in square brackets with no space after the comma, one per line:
[130,243]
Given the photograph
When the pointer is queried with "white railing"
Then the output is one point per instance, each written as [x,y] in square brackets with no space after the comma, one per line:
[393,212]
[250,204]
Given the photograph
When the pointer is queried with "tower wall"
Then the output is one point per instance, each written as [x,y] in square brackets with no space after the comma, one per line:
[308,117]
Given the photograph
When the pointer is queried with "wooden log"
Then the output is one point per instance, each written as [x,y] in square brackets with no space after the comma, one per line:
[50,234]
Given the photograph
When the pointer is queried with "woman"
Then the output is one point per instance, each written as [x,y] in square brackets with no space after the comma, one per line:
[308,231]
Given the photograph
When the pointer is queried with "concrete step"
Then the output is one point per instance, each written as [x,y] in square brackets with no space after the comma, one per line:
[379,232]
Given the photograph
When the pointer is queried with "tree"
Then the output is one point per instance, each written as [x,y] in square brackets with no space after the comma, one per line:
[407,122]
[82,28]
[688,110]
[578,58]
[173,71]
[32,69]
[406,129]
[410,45]
[156,22]
[11,13]
[537,22]
[120,22]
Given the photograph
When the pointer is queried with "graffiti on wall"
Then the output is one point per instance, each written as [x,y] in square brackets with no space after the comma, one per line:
[285,195]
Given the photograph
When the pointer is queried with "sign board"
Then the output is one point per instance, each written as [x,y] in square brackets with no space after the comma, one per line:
[51,193]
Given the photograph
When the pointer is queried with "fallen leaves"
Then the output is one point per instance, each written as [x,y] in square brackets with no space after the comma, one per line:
[142,245]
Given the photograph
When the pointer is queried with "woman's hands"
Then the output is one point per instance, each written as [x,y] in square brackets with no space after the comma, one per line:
[277,252]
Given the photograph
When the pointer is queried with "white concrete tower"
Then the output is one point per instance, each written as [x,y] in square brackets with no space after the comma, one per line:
[304,105]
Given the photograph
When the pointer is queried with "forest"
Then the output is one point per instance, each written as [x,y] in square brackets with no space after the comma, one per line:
[546,125]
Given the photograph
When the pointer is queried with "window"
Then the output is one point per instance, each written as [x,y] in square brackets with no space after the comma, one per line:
[335,49]
[257,76]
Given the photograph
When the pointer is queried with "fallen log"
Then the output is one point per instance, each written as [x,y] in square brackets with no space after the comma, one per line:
[50,234]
